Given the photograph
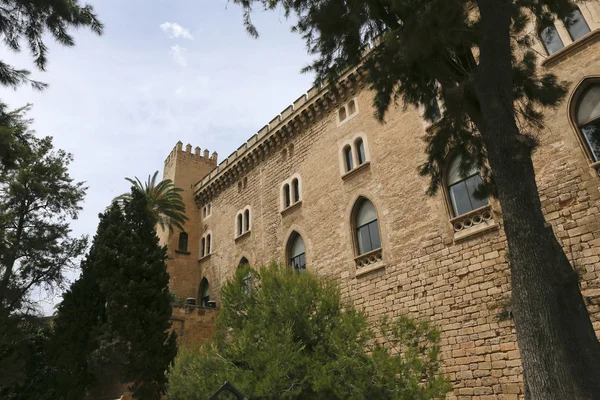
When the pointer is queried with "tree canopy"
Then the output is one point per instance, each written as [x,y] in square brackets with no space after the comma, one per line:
[290,335]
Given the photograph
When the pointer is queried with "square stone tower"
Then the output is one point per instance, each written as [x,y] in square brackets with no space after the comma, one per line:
[185,168]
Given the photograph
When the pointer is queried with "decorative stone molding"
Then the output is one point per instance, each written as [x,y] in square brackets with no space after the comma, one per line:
[370,258]
[356,170]
[473,222]
[570,48]
[289,209]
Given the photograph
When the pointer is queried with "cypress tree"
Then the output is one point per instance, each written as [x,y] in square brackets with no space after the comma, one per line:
[114,320]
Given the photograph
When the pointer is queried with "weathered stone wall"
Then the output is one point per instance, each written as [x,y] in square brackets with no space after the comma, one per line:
[193,325]
[459,282]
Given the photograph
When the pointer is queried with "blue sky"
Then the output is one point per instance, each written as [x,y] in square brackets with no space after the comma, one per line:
[163,71]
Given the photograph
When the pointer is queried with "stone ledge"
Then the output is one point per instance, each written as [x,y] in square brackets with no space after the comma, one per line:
[289,209]
[356,170]
[570,48]
[187,253]
[204,258]
[243,235]
[474,231]
[371,268]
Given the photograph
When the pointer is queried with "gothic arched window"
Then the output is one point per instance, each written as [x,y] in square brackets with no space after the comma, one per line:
[462,188]
[297,252]
[587,118]
[366,227]
[204,293]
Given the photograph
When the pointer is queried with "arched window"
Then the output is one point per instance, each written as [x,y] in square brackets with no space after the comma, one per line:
[204,293]
[203,247]
[183,241]
[367,227]
[360,151]
[351,107]
[552,42]
[349,164]
[204,212]
[296,189]
[240,224]
[246,220]
[243,262]
[297,252]
[576,25]
[248,278]
[208,238]
[587,117]
[286,195]
[342,114]
[461,188]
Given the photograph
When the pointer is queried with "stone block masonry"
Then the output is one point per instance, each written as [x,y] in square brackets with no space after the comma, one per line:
[460,281]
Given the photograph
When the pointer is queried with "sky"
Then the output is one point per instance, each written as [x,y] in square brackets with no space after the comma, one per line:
[163,71]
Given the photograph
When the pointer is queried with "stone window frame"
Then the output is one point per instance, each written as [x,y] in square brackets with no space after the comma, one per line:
[572,106]
[345,111]
[206,245]
[565,35]
[183,243]
[471,223]
[292,231]
[243,222]
[287,192]
[372,260]
[204,284]
[206,211]
[351,143]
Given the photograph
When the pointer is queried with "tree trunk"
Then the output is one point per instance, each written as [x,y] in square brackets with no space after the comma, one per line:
[559,349]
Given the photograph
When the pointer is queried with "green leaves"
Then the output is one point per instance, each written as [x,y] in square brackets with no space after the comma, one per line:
[29,20]
[38,199]
[164,201]
[292,336]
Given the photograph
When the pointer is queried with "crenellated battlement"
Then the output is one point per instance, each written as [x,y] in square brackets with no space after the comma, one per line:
[293,119]
[178,153]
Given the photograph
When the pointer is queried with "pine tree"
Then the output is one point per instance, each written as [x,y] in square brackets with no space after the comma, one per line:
[475,56]
[115,319]
[291,336]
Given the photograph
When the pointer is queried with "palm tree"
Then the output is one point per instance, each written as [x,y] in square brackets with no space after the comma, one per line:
[164,201]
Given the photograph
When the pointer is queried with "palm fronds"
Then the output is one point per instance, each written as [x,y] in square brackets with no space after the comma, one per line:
[164,201]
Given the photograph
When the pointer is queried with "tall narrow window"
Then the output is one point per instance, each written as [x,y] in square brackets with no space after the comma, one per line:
[297,252]
[240,224]
[247,220]
[576,25]
[208,237]
[351,107]
[286,195]
[183,241]
[204,212]
[342,114]
[587,115]
[367,227]
[203,247]
[348,158]
[248,278]
[360,151]
[462,188]
[204,293]
[552,42]
[296,189]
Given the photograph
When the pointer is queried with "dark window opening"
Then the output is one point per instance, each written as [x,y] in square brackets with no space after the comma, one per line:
[247,218]
[286,195]
[296,188]
[349,163]
[551,40]
[576,25]
[367,227]
[360,149]
[462,188]
[183,241]
[208,244]
[204,293]
[297,253]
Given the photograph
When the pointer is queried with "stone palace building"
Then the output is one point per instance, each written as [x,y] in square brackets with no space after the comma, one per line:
[325,187]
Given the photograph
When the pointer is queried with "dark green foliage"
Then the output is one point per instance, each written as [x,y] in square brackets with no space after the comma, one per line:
[29,21]
[37,200]
[113,321]
[164,201]
[14,136]
[291,336]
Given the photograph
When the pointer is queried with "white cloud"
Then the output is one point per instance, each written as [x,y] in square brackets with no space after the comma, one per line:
[178,54]
[175,31]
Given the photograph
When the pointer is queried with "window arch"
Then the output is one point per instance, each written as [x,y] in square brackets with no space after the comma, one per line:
[351,107]
[348,162]
[243,262]
[240,224]
[247,220]
[366,226]
[586,117]
[360,151]
[208,243]
[296,252]
[203,247]
[342,113]
[183,242]
[286,196]
[462,187]
[576,24]
[296,189]
[551,39]
[204,293]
